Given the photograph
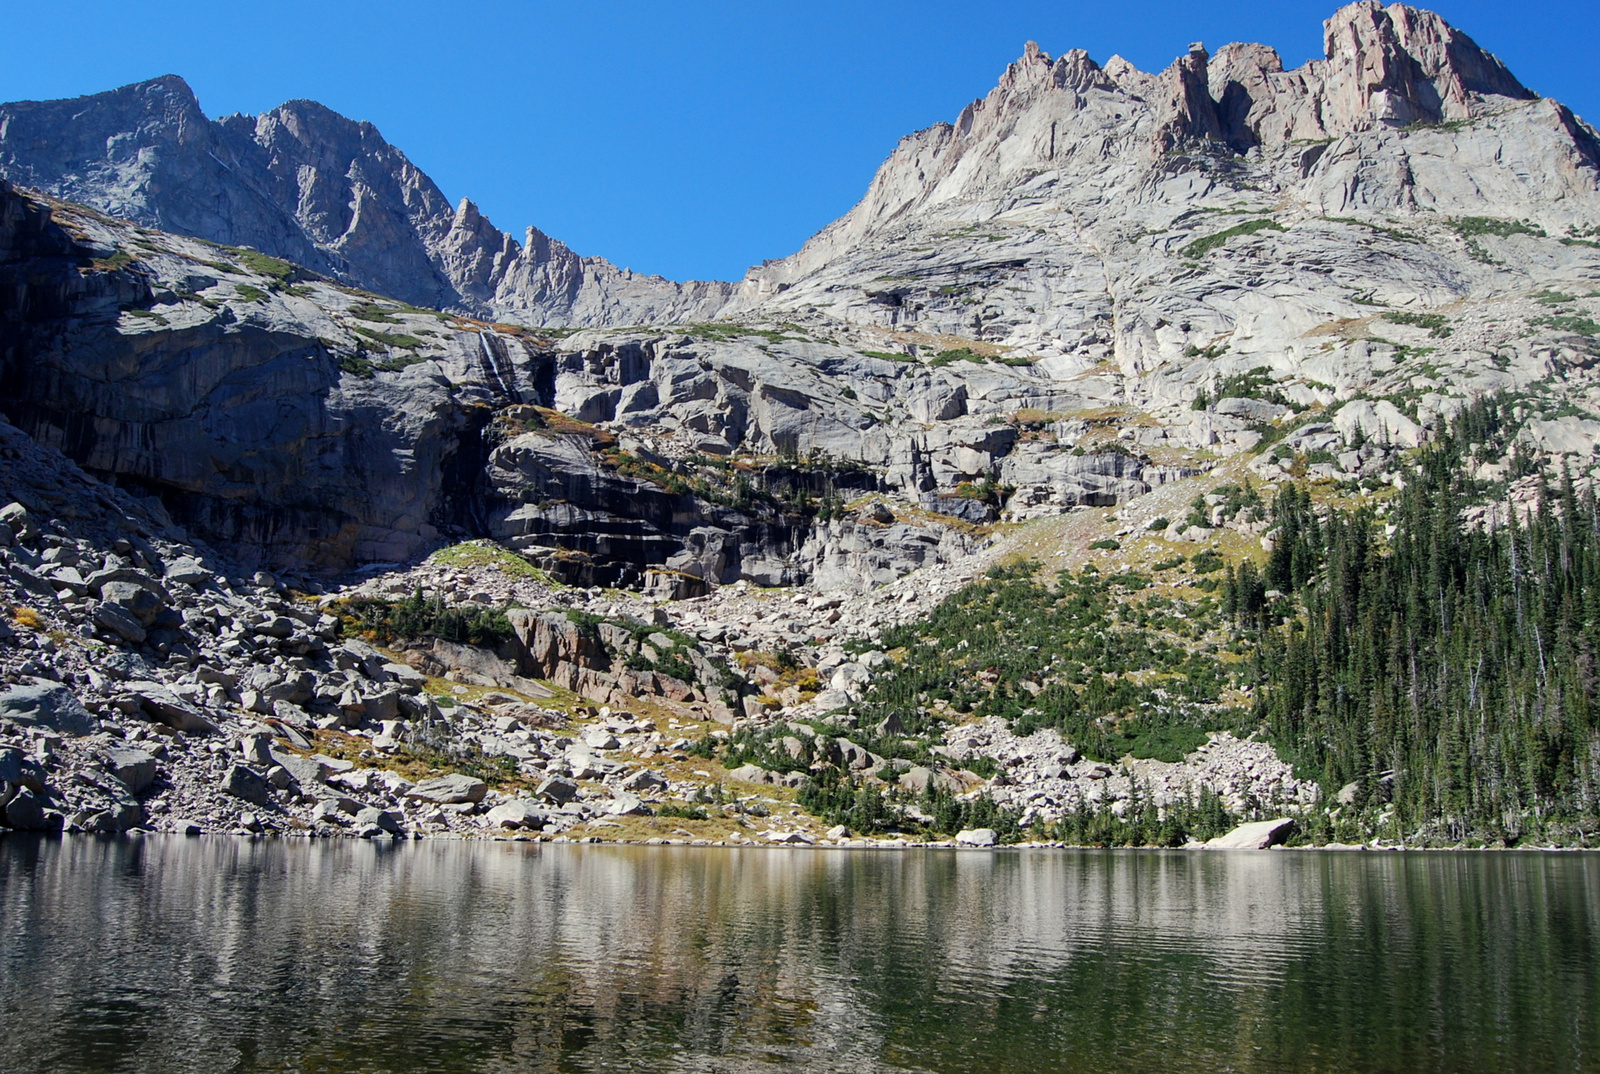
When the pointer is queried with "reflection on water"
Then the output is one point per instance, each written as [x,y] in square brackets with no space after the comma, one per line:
[213,954]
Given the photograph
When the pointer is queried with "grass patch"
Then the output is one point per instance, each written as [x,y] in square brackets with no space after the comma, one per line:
[388,339]
[1200,247]
[1394,233]
[118,260]
[1473,226]
[1437,324]
[265,265]
[27,617]
[1575,323]
[958,354]
[477,555]
[249,293]
[371,311]
[357,364]
[727,331]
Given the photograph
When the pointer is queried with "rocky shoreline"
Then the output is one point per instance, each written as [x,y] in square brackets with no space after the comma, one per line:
[144,688]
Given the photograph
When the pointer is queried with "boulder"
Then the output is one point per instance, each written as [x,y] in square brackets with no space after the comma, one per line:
[586,765]
[622,804]
[1257,835]
[453,789]
[558,790]
[190,572]
[48,705]
[257,748]
[371,816]
[518,813]
[794,838]
[119,621]
[305,770]
[26,812]
[15,518]
[598,738]
[19,770]
[750,773]
[135,768]
[137,600]
[164,706]
[918,779]
[98,581]
[32,583]
[977,837]
[251,786]
[643,781]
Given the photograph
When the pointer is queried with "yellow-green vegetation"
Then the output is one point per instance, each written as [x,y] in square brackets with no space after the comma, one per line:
[420,760]
[388,339]
[784,672]
[1472,228]
[249,292]
[379,620]
[730,330]
[26,617]
[1200,247]
[1437,324]
[264,265]
[1397,234]
[485,554]
[540,419]
[116,260]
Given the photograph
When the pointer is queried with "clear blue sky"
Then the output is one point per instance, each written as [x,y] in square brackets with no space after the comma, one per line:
[686,138]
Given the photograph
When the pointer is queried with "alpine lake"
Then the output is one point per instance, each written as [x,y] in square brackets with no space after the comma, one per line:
[224,954]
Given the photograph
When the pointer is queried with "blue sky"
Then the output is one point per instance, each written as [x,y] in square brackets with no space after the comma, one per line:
[691,139]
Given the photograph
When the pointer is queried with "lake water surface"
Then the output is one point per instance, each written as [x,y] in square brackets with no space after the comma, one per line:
[216,954]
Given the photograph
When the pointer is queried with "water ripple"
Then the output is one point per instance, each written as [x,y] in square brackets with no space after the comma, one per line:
[217,954]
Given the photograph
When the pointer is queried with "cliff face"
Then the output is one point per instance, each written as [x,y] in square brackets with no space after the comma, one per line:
[1211,255]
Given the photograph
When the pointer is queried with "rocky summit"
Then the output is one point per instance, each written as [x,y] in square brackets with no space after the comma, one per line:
[326,506]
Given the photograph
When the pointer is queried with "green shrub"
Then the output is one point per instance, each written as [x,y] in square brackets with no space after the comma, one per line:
[264,265]
[418,617]
[371,311]
[1472,226]
[1437,324]
[682,811]
[960,354]
[118,260]
[390,339]
[1200,247]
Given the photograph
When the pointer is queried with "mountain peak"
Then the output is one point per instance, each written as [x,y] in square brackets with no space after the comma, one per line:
[1397,65]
